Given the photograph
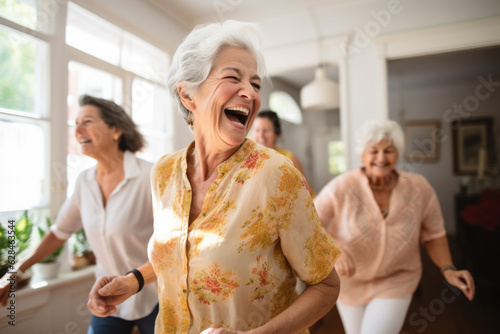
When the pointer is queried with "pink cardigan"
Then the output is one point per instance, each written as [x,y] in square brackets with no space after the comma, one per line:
[385,252]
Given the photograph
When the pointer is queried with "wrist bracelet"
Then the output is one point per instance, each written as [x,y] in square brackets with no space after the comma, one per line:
[139,277]
[446,267]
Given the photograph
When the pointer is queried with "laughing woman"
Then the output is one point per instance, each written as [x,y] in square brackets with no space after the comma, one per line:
[112,203]
[379,215]
[234,221]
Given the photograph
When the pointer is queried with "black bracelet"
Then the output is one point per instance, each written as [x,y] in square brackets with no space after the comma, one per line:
[139,277]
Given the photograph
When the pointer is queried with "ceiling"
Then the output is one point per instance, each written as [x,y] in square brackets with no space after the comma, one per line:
[291,22]
[284,22]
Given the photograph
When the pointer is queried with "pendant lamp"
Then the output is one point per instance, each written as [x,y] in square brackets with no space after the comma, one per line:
[320,94]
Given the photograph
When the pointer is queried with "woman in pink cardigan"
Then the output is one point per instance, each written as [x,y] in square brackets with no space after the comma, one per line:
[378,215]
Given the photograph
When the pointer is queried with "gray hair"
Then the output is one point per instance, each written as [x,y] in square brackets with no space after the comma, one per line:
[374,131]
[193,60]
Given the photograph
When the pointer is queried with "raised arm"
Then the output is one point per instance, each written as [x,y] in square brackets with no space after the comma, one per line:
[110,291]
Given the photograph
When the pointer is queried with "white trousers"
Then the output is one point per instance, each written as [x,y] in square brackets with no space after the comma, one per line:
[380,316]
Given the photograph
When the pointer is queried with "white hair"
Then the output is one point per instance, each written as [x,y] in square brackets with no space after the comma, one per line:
[374,131]
[194,58]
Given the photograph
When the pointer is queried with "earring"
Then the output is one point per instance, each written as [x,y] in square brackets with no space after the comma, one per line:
[190,119]
[115,138]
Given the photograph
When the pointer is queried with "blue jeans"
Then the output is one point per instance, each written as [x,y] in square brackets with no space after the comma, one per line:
[114,325]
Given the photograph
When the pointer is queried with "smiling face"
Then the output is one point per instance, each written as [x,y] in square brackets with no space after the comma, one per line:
[94,135]
[380,159]
[263,132]
[226,103]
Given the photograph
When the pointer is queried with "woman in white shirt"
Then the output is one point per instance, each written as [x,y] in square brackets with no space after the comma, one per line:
[112,202]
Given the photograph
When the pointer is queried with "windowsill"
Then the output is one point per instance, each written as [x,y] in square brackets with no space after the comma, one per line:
[44,306]
[64,278]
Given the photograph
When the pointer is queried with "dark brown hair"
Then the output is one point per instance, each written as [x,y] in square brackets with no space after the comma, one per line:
[114,115]
[273,117]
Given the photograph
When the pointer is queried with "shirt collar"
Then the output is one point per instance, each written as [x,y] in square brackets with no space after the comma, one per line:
[240,155]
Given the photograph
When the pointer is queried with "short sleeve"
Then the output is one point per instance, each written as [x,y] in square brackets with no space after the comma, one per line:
[68,218]
[432,218]
[306,244]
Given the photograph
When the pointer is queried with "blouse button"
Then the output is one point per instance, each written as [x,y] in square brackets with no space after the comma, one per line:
[203,214]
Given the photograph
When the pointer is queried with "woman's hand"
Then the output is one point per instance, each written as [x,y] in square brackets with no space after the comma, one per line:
[109,291]
[463,280]
[344,265]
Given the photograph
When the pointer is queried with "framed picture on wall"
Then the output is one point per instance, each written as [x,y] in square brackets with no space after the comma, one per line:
[421,141]
[470,137]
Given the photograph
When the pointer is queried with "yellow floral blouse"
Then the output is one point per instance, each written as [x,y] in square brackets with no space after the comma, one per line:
[235,266]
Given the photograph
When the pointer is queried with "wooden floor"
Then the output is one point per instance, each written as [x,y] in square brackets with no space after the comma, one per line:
[434,310]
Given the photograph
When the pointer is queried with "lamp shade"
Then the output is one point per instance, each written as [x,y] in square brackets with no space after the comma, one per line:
[321,93]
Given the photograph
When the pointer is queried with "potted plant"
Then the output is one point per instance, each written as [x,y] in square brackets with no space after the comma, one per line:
[82,254]
[22,237]
[4,251]
[49,267]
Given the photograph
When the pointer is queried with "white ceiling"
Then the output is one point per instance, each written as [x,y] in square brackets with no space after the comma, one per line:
[284,22]
[291,22]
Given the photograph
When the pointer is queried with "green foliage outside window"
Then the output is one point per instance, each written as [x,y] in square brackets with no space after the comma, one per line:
[17,64]
[336,160]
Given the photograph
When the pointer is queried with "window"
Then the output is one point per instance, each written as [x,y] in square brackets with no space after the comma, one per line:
[23,168]
[24,125]
[148,112]
[91,34]
[102,60]
[32,14]
[336,160]
[109,62]
[285,106]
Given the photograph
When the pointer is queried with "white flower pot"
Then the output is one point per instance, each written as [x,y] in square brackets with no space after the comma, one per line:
[46,271]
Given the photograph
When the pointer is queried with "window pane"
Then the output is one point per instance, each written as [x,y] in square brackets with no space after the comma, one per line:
[285,106]
[151,114]
[33,14]
[22,171]
[143,58]
[88,80]
[19,12]
[93,35]
[336,158]
[23,66]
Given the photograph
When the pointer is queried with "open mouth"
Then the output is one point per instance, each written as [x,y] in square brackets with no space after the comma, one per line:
[85,141]
[237,115]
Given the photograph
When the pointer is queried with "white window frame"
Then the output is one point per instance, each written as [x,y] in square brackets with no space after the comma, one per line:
[55,111]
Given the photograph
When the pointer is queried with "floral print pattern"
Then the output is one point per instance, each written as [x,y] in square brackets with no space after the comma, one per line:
[262,279]
[235,266]
[213,285]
